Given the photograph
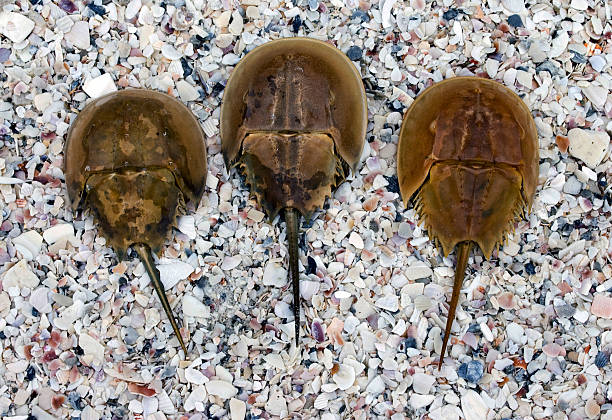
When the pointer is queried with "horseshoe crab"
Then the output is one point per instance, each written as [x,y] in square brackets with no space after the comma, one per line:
[293,120]
[135,158]
[468,158]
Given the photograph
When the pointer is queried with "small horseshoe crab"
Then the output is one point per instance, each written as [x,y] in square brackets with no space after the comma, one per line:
[468,158]
[293,120]
[136,158]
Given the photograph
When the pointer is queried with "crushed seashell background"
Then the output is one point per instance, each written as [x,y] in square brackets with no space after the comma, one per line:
[83,335]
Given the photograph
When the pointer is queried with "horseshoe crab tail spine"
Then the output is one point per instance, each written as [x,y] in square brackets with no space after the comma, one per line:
[463,250]
[291,218]
[144,252]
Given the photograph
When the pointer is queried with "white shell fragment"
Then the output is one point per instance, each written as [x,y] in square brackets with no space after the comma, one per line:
[195,400]
[78,324]
[10,181]
[17,367]
[356,240]
[344,377]
[15,26]
[186,224]
[514,6]
[100,86]
[419,401]
[165,404]
[59,232]
[376,386]
[39,299]
[186,91]
[237,409]
[89,413]
[274,275]
[28,244]
[92,347]
[194,307]
[43,100]
[69,315]
[588,145]
[418,270]
[388,303]
[132,9]
[230,262]
[195,377]
[170,274]
[79,35]
[221,389]
[277,404]
[20,275]
[386,12]
[421,383]
[473,406]
[596,94]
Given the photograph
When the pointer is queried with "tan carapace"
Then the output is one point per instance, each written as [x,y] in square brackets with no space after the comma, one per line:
[135,158]
[468,158]
[293,120]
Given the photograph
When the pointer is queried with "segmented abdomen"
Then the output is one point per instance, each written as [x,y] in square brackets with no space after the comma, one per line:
[467,202]
[290,170]
[135,206]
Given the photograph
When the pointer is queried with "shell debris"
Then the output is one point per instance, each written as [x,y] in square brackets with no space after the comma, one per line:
[534,318]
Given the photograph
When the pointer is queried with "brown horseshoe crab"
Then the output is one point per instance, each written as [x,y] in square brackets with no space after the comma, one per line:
[468,158]
[293,120]
[135,158]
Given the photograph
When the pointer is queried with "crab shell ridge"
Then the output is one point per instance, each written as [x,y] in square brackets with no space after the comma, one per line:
[347,109]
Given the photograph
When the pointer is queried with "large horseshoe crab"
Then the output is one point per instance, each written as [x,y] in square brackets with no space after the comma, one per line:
[135,158]
[293,120]
[468,158]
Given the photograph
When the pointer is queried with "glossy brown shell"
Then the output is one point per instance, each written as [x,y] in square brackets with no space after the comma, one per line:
[298,85]
[468,156]
[293,120]
[136,157]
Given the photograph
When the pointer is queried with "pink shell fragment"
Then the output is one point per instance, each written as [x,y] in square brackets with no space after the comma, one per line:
[602,306]
[553,350]
[334,330]
[470,340]
[506,300]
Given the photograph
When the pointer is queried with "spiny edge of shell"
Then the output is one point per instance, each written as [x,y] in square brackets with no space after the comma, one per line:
[518,213]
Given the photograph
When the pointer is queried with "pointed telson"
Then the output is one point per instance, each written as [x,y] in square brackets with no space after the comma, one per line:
[293,120]
[144,252]
[291,218]
[463,250]
[136,158]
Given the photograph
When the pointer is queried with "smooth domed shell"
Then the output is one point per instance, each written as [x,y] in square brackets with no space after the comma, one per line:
[348,108]
[415,150]
[158,131]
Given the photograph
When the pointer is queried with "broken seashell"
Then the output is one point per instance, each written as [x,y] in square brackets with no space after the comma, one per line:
[61,231]
[28,244]
[174,272]
[344,377]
